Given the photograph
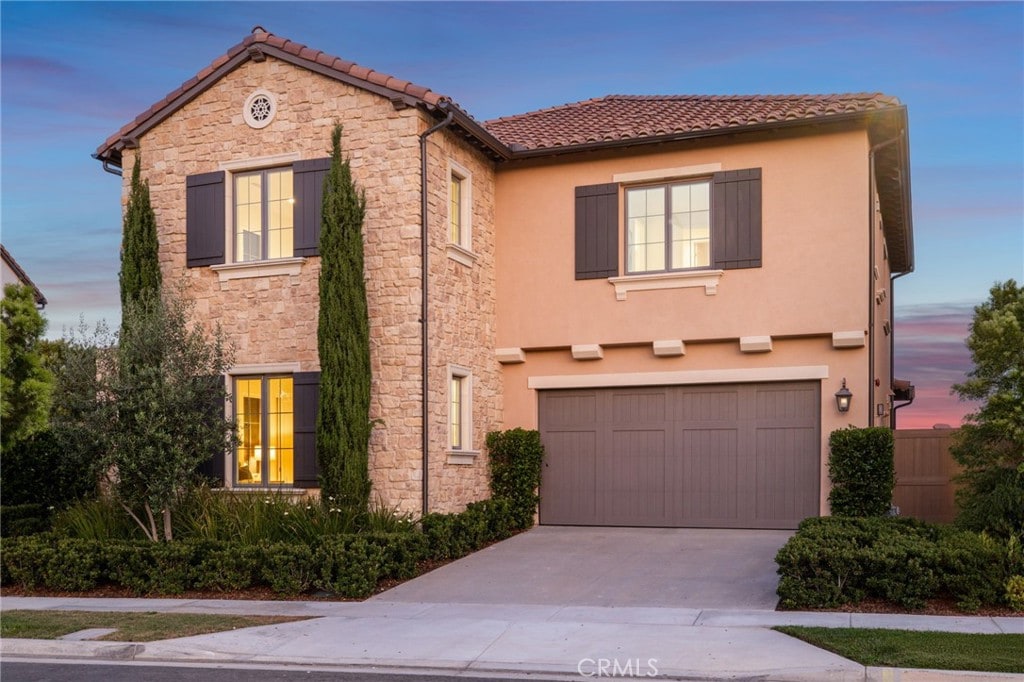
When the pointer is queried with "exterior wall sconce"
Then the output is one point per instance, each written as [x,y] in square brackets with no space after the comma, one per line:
[843,397]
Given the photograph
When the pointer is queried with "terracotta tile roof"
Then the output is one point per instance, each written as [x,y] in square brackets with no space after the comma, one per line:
[298,53]
[628,117]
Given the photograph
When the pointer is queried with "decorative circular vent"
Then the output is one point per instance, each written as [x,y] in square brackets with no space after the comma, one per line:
[259,109]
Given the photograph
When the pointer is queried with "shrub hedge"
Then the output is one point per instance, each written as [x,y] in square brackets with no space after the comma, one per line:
[516,456]
[832,561]
[24,519]
[315,555]
[349,565]
[862,471]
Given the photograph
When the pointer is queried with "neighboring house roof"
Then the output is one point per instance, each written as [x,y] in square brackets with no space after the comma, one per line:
[606,122]
[19,273]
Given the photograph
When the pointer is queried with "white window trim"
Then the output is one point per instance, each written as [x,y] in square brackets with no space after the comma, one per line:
[699,376]
[229,408]
[653,175]
[462,251]
[259,268]
[682,279]
[465,455]
[231,168]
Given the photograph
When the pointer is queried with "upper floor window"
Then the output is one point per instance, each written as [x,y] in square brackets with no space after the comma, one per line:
[460,211]
[668,227]
[455,210]
[264,222]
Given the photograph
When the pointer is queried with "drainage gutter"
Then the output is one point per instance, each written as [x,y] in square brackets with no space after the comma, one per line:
[424,276]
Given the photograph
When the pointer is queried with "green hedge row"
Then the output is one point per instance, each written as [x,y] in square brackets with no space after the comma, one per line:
[347,565]
[832,561]
[24,519]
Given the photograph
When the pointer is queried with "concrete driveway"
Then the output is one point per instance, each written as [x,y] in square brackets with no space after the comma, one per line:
[576,566]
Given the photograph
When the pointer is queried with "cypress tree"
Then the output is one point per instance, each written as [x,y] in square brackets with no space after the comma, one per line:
[343,340]
[140,264]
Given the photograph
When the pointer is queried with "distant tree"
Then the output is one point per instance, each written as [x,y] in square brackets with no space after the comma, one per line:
[343,340]
[990,445]
[147,403]
[26,386]
[140,261]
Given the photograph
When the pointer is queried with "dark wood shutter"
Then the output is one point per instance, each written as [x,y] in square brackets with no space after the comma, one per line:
[597,231]
[307,391]
[736,219]
[204,219]
[308,182]
[211,394]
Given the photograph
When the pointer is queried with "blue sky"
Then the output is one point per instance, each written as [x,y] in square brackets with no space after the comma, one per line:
[72,73]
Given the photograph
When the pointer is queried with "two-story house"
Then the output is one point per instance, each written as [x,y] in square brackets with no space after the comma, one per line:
[686,295]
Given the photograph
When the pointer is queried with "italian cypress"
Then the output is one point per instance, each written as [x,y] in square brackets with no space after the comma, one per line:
[140,263]
[343,340]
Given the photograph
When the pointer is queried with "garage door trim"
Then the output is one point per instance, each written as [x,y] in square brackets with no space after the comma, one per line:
[708,376]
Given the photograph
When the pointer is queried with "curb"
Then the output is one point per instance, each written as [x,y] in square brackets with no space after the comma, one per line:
[155,654]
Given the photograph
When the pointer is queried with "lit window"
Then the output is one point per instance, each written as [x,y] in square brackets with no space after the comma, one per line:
[455,210]
[264,203]
[264,409]
[460,206]
[459,412]
[668,227]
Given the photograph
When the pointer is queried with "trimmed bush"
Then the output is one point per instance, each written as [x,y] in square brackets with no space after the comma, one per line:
[833,561]
[862,471]
[516,456]
[24,519]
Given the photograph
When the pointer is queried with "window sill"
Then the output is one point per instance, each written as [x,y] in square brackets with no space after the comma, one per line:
[258,268]
[462,457]
[462,255]
[667,280]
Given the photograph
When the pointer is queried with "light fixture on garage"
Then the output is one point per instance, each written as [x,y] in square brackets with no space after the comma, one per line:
[843,397]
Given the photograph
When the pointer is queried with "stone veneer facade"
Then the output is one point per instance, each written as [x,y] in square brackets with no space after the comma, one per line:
[272,320]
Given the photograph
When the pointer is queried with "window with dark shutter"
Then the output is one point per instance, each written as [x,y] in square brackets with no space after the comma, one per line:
[204,219]
[597,235]
[736,219]
[307,391]
[308,178]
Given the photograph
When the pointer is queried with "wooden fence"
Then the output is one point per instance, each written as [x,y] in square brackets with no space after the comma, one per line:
[924,472]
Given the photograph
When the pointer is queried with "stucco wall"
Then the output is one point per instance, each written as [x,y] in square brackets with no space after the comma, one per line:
[814,279]
[273,320]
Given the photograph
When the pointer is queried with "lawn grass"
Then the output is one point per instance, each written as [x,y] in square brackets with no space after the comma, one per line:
[917,649]
[131,627]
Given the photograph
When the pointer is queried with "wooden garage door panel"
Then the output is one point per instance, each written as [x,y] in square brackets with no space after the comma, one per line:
[710,459]
[632,478]
[739,455]
[574,472]
[784,473]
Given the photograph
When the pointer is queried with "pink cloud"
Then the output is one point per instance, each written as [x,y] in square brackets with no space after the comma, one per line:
[931,353]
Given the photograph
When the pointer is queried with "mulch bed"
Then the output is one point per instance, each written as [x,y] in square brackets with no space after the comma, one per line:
[934,607]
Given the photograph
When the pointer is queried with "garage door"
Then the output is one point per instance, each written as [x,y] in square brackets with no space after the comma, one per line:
[723,456]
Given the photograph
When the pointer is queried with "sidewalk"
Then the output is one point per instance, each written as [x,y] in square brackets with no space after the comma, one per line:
[573,641]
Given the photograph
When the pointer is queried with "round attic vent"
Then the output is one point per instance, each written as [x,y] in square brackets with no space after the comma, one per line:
[259,109]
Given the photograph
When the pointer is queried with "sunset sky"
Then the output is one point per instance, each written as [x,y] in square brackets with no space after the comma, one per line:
[72,73]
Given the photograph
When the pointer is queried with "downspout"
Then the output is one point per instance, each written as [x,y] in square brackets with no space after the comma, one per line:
[871,273]
[892,343]
[424,271]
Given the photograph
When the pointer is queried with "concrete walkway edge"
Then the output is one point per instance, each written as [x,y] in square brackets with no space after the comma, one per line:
[508,639]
